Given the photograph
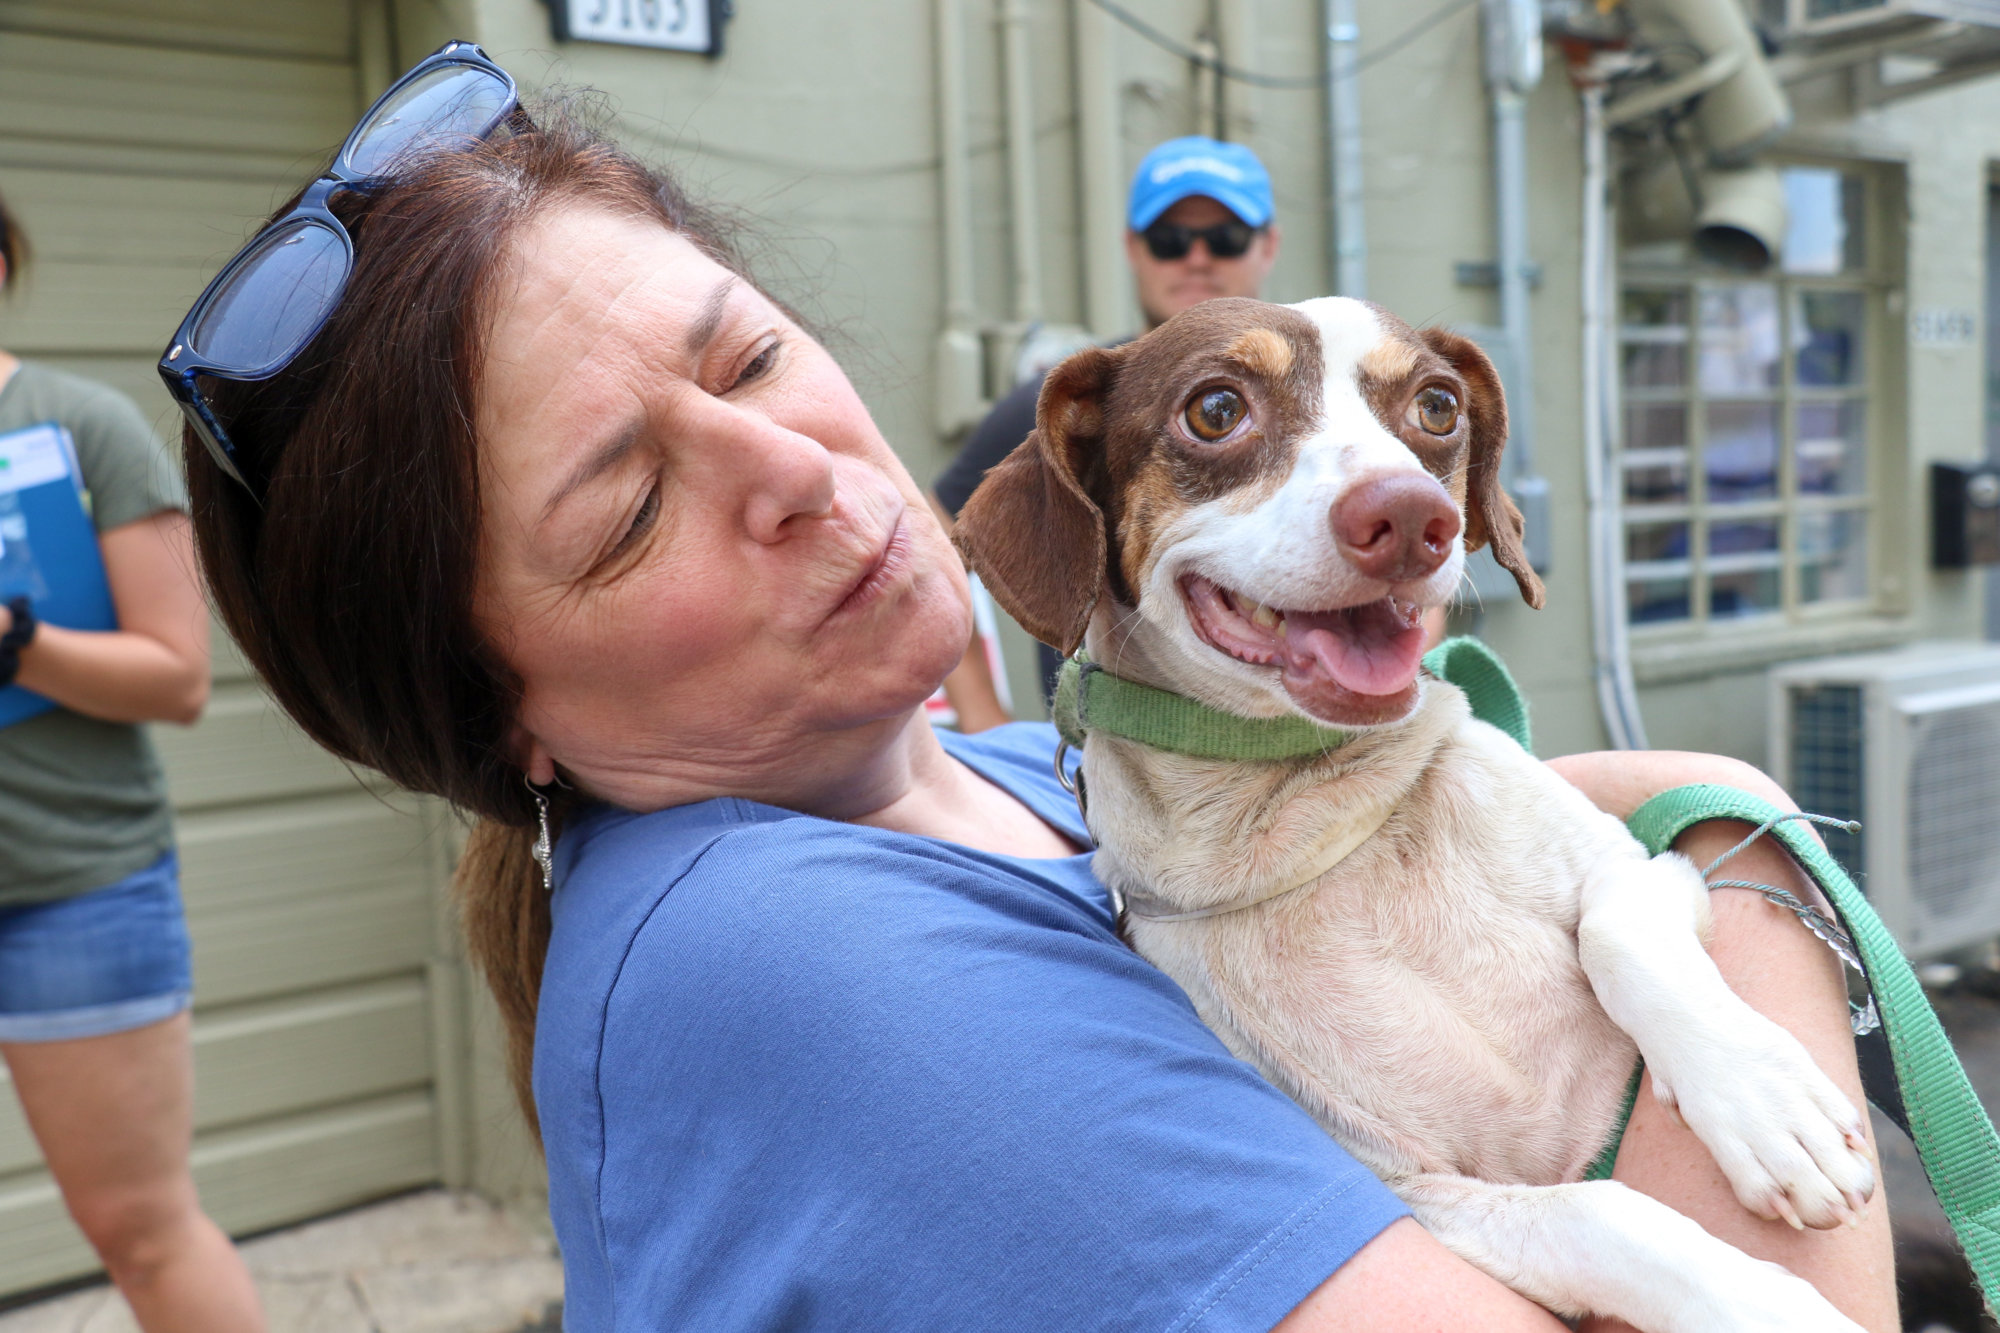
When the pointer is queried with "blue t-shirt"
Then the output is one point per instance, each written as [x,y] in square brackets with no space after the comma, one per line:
[799,1074]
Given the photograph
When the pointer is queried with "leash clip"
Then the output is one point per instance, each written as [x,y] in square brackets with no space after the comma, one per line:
[1072,781]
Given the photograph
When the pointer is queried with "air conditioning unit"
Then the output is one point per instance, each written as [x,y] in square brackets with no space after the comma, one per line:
[1908,743]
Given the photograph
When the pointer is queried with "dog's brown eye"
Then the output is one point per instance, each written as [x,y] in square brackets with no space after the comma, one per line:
[1437,411]
[1213,413]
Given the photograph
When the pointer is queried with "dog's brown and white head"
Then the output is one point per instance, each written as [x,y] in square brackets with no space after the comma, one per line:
[1262,498]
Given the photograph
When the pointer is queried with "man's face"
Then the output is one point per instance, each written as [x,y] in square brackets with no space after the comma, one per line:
[1169,286]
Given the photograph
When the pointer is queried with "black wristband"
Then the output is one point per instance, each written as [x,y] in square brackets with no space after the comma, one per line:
[18,636]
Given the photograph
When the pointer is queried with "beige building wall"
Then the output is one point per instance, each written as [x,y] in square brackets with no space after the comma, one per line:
[141,141]
[138,142]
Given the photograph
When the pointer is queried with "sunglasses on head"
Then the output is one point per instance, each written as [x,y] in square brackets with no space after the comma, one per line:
[280,289]
[1225,240]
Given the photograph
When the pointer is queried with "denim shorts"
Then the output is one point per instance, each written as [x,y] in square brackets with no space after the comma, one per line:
[106,961]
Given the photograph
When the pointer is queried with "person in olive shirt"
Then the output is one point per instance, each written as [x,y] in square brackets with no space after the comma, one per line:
[1199,225]
[94,975]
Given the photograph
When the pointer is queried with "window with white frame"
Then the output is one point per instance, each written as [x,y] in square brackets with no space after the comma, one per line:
[1747,405]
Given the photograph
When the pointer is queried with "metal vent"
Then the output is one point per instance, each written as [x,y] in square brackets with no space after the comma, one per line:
[1826,764]
[1954,804]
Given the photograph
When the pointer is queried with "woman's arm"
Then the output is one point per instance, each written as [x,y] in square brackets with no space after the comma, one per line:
[1404,1281]
[1786,974]
[154,666]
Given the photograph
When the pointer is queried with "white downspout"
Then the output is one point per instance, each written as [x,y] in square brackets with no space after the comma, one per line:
[1347,238]
[1512,32]
[1107,278]
[1021,204]
[960,361]
[1510,177]
[1617,697]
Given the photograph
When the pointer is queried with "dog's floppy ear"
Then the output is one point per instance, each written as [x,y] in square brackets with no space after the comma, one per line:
[1031,530]
[1490,513]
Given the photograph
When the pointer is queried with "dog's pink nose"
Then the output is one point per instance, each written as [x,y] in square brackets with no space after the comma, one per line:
[1396,528]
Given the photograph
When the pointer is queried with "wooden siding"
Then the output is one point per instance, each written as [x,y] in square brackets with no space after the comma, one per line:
[139,145]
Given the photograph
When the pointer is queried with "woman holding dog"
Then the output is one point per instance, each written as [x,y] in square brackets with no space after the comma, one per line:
[562,518]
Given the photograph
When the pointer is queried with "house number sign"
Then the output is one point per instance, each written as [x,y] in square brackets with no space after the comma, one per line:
[669,25]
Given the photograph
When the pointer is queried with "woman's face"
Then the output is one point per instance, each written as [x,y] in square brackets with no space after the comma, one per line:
[710,572]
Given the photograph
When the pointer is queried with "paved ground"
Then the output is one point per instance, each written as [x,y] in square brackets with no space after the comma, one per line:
[435,1262]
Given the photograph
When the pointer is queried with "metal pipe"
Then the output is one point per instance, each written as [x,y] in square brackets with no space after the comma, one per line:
[1236,36]
[1617,697]
[1513,59]
[1021,206]
[1510,200]
[954,167]
[1208,82]
[1347,239]
[1107,279]
[958,368]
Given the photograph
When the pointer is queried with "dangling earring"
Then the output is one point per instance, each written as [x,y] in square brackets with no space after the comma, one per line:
[544,850]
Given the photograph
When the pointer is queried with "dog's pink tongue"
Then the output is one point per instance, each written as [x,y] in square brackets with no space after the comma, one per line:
[1367,650]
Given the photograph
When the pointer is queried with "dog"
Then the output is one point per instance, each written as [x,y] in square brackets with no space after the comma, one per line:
[1440,949]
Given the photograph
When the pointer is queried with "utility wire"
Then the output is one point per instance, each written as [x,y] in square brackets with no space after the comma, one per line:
[1203,60]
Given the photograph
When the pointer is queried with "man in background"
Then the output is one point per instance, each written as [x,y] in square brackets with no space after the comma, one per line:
[1199,224]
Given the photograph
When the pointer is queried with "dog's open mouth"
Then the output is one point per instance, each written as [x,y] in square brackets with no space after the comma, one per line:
[1352,664]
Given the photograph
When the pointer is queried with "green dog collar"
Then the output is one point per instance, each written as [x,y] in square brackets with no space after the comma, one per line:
[1089,698]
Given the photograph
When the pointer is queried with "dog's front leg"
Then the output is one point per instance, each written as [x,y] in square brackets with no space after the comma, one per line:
[1792,1146]
[1599,1247]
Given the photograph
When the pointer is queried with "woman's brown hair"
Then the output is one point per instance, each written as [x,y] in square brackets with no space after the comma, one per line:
[350,588]
[13,248]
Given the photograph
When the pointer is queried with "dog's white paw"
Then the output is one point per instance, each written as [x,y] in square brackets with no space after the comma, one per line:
[1793,1147]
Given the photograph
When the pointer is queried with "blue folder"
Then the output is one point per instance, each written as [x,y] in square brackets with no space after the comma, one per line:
[48,545]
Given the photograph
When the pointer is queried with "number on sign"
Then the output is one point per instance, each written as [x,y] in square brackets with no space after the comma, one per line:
[671,25]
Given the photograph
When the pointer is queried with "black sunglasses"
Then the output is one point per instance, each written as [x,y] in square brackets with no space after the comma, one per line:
[280,289]
[1225,240]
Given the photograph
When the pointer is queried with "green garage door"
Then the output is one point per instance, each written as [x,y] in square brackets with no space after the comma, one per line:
[137,142]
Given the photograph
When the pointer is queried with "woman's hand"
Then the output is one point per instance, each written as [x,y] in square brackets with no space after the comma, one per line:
[154,666]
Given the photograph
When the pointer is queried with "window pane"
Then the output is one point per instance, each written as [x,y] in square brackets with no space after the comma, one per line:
[1739,338]
[1823,221]
[1747,545]
[1826,336]
[1743,568]
[1829,448]
[1650,601]
[1654,335]
[1833,557]
[1741,457]
[1746,592]
[1655,454]
[1646,543]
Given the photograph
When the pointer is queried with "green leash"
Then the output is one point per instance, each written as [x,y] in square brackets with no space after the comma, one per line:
[1908,1067]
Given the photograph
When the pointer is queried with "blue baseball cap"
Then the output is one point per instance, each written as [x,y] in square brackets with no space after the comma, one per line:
[1179,169]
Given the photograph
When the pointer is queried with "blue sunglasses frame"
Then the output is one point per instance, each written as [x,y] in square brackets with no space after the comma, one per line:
[181,363]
